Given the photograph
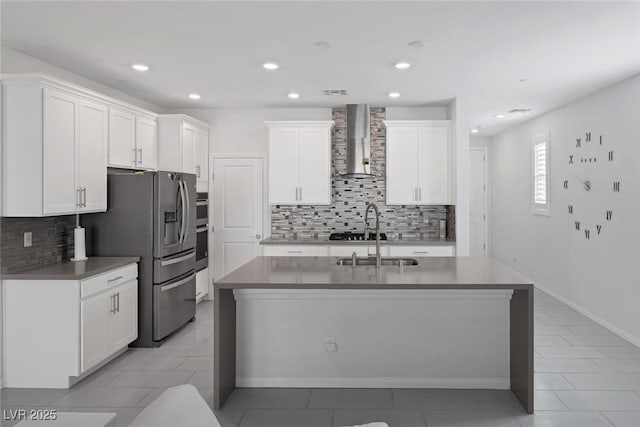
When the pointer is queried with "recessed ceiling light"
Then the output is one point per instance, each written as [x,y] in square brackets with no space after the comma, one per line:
[194,96]
[140,67]
[270,66]
[416,44]
[394,94]
[475,130]
[499,116]
[403,65]
[294,95]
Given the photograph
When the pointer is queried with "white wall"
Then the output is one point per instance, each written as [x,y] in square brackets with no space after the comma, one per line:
[600,276]
[14,61]
[457,113]
[242,130]
[416,113]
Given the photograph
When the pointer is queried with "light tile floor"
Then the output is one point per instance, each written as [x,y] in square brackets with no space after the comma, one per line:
[585,377]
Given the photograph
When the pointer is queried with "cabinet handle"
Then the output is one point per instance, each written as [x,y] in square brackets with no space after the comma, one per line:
[198,171]
[84,197]
[294,252]
[300,193]
[140,151]
[78,198]
[113,304]
[114,279]
[415,194]
[118,302]
[420,252]
[135,156]
[420,193]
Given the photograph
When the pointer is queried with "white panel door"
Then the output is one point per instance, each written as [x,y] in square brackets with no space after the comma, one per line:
[96,315]
[433,165]
[92,155]
[237,213]
[146,143]
[122,139]
[59,153]
[478,205]
[284,158]
[402,165]
[202,159]
[315,166]
[123,326]
[188,149]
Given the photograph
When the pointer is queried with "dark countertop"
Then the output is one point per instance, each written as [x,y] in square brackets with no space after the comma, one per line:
[72,270]
[324,273]
[327,242]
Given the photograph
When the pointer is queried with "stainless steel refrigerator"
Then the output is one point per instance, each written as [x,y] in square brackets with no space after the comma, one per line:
[152,215]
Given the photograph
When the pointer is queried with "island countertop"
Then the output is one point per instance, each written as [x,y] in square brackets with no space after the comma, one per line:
[71,270]
[323,272]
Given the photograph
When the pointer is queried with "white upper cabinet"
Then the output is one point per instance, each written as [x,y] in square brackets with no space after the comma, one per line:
[300,162]
[183,145]
[202,160]
[146,143]
[418,162]
[54,145]
[133,140]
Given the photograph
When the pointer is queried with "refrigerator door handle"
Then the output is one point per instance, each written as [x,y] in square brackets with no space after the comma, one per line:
[178,283]
[183,219]
[188,212]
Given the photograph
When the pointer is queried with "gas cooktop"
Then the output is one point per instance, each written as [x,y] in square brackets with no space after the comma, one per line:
[347,235]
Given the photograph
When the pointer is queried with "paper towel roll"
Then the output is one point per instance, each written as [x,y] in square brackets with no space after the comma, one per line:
[80,252]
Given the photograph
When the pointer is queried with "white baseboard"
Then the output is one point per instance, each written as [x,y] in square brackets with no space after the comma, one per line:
[600,321]
[373,382]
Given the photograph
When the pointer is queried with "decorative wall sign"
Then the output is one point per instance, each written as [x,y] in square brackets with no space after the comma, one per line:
[581,163]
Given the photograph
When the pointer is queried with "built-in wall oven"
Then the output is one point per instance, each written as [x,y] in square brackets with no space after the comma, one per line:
[202,231]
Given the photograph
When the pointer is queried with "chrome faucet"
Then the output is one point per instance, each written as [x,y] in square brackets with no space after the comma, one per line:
[377,230]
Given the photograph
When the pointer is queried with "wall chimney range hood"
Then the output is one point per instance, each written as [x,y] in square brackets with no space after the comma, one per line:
[358,141]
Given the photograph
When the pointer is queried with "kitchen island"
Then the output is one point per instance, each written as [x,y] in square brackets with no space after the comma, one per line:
[319,273]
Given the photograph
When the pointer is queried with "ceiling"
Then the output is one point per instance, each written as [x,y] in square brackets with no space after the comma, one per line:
[477,50]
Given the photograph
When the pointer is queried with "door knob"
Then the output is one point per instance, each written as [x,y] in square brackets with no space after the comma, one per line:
[258,236]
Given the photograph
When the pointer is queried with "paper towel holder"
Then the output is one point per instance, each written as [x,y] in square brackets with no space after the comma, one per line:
[79,250]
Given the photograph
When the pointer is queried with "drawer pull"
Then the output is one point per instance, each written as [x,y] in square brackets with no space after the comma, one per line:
[420,252]
[114,279]
[294,252]
[177,260]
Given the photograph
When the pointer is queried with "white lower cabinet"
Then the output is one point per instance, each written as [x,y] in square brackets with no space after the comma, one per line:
[295,250]
[75,325]
[422,251]
[345,251]
[202,284]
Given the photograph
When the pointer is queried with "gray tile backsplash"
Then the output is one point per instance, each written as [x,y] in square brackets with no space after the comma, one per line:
[350,196]
[52,241]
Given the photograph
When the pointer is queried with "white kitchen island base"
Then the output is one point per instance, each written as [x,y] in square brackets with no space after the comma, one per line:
[383,338]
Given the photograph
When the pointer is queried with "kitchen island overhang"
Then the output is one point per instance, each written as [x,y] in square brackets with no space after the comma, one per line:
[435,273]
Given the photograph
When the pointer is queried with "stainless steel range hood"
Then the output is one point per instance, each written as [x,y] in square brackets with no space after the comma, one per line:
[358,141]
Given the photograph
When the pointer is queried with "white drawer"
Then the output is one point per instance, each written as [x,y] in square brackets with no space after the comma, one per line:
[344,251]
[419,251]
[107,280]
[295,250]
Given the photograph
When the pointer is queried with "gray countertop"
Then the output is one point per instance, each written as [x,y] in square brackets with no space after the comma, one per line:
[326,242]
[324,273]
[72,270]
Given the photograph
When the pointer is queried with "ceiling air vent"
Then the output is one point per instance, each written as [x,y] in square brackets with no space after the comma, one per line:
[330,92]
[519,111]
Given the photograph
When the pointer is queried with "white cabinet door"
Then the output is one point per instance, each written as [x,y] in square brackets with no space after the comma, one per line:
[92,156]
[402,165]
[315,166]
[202,160]
[96,315]
[122,138]
[60,192]
[202,284]
[188,149]
[123,325]
[283,166]
[434,165]
[146,143]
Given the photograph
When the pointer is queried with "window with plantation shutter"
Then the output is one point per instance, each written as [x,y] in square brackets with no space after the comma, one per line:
[540,169]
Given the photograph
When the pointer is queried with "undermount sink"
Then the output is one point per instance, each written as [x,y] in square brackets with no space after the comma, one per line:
[371,261]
